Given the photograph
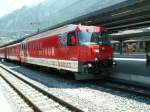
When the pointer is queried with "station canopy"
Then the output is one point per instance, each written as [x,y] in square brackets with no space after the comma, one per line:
[77,8]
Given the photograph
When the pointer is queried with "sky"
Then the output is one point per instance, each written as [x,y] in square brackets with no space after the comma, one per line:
[8,6]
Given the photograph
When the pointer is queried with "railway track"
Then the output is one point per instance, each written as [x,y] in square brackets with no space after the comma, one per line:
[143,91]
[37,98]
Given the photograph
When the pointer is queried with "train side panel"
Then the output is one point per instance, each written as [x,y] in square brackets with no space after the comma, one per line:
[51,52]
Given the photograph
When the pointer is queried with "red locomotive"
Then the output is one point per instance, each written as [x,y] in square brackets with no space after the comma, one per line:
[84,50]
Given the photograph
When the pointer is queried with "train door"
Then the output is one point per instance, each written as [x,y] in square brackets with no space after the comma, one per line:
[72,46]
[5,53]
[72,53]
[68,48]
[23,52]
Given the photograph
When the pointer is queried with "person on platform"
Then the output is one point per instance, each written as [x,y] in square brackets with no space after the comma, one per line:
[148,58]
[148,55]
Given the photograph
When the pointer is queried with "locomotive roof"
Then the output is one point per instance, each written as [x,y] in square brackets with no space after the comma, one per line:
[52,32]
[60,30]
[12,45]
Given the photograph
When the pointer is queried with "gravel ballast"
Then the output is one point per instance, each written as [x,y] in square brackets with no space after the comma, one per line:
[86,95]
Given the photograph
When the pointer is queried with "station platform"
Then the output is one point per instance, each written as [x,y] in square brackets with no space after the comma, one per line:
[131,67]
[131,64]
[4,105]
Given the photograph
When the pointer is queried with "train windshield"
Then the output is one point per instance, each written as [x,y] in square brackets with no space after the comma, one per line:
[93,38]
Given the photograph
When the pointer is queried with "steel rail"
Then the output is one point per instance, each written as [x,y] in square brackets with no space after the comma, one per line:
[143,91]
[51,96]
[27,100]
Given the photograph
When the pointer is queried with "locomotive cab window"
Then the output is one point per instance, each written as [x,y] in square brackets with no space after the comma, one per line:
[71,39]
[93,38]
[105,39]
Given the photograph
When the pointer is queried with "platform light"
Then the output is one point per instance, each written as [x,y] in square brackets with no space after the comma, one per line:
[122,13]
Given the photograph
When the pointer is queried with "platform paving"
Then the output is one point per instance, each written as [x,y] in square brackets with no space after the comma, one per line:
[4,105]
[134,64]
[132,68]
[130,55]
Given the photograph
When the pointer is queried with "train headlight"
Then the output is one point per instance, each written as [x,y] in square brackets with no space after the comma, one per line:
[96,50]
[96,59]
[89,65]
[103,48]
[114,63]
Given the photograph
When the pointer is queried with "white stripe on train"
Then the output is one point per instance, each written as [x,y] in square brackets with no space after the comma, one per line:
[54,63]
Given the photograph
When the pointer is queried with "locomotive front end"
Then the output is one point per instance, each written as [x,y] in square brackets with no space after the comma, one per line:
[96,53]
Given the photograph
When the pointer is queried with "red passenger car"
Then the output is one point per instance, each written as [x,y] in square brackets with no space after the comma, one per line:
[84,50]
[2,53]
[12,52]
